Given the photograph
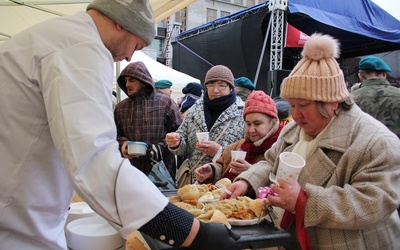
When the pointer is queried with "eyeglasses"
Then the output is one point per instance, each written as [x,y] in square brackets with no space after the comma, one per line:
[219,86]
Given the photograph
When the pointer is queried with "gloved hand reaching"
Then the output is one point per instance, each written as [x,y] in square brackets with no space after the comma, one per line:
[214,236]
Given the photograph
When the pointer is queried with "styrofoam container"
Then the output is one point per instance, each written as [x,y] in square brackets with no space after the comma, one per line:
[137,148]
[79,210]
[93,233]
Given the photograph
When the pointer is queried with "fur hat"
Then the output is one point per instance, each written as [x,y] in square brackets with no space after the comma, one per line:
[136,16]
[259,102]
[244,82]
[373,63]
[317,76]
[193,88]
[220,73]
[163,84]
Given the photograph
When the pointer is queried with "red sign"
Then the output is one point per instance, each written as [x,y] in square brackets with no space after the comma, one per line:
[294,37]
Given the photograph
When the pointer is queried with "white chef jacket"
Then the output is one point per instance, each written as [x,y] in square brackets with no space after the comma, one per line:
[57,134]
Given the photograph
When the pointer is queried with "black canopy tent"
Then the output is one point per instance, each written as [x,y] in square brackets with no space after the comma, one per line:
[237,40]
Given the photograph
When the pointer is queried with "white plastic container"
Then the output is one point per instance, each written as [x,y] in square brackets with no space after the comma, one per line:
[137,148]
[93,233]
[79,210]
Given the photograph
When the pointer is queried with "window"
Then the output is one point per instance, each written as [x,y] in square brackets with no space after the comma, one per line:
[211,15]
[238,2]
[225,13]
[181,17]
[251,3]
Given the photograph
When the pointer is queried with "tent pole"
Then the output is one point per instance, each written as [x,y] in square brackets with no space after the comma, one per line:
[263,48]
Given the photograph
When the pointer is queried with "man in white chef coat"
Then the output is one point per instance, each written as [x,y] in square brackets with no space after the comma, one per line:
[57,134]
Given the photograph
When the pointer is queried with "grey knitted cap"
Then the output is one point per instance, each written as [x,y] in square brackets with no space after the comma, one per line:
[136,16]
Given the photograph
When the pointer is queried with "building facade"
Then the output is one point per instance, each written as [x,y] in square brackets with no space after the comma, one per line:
[196,14]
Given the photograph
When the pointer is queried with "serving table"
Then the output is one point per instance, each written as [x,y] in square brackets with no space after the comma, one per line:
[257,236]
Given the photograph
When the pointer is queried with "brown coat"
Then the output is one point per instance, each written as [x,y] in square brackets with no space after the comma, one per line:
[221,165]
[352,182]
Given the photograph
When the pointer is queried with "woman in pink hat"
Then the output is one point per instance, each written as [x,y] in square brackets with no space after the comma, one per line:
[261,131]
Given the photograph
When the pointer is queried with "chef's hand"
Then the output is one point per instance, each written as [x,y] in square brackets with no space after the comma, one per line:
[288,192]
[238,188]
[214,236]
[173,139]
[124,151]
[203,173]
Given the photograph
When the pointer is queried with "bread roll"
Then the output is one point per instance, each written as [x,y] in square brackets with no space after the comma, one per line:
[219,217]
[189,192]
[225,181]
[256,206]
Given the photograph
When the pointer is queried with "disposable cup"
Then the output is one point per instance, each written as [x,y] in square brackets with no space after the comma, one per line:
[202,136]
[238,154]
[290,166]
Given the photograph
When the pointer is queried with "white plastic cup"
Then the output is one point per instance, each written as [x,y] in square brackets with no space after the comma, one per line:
[202,136]
[238,154]
[137,148]
[290,166]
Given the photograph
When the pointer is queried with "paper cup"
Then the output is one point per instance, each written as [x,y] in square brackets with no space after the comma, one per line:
[202,136]
[290,166]
[238,154]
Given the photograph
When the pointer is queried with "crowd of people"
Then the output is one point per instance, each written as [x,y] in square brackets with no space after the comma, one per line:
[67,134]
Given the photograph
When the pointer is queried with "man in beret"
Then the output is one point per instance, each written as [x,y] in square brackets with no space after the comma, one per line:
[164,87]
[375,95]
[243,87]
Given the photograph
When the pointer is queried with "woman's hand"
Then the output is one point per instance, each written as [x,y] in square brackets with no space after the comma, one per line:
[239,166]
[203,173]
[238,188]
[124,151]
[287,195]
[208,147]
[173,139]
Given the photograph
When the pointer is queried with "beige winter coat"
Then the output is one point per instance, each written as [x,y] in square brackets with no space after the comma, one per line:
[351,181]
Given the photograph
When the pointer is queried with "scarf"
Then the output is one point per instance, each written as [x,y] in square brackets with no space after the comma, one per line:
[214,108]
[255,149]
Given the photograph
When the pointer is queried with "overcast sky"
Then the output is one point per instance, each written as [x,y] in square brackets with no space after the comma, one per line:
[391,6]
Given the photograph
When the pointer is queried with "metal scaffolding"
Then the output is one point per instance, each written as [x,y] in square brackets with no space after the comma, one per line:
[278,10]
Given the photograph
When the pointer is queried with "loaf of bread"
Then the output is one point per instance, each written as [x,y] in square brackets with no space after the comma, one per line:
[189,192]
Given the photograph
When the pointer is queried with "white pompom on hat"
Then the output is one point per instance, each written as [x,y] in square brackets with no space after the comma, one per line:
[317,76]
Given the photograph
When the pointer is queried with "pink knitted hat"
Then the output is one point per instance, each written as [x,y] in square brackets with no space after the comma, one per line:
[259,102]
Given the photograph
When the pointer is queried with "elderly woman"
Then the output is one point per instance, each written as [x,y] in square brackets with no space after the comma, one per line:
[219,113]
[262,130]
[347,194]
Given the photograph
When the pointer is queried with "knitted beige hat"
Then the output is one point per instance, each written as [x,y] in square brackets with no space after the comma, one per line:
[136,16]
[222,73]
[317,76]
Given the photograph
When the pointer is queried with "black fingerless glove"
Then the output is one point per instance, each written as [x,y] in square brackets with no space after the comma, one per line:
[214,236]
